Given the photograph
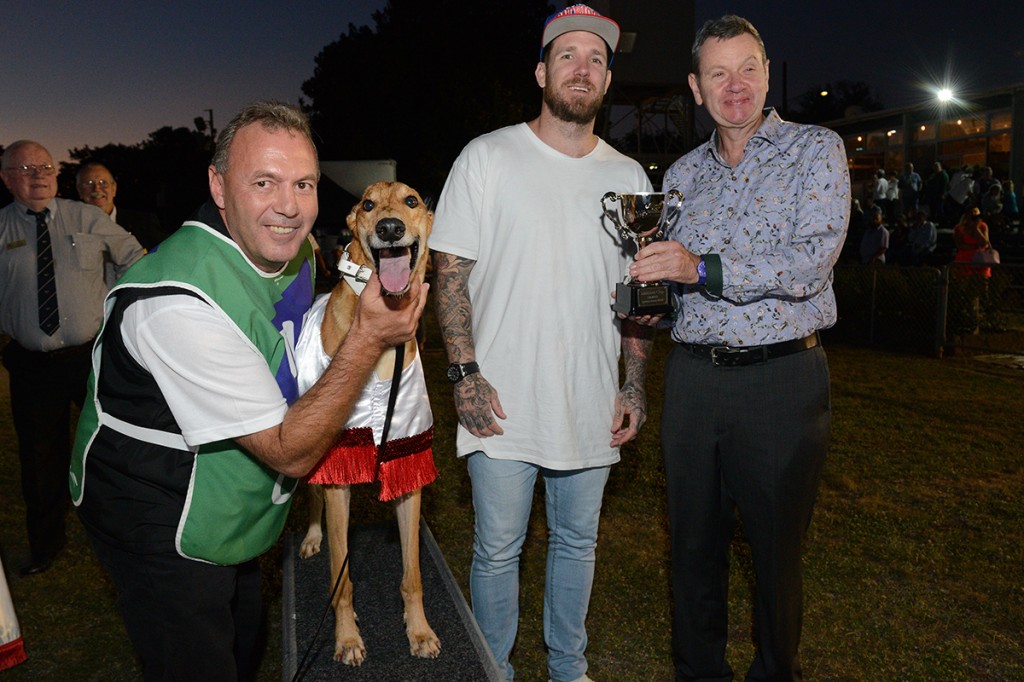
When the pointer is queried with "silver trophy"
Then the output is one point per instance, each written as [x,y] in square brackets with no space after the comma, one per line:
[642,218]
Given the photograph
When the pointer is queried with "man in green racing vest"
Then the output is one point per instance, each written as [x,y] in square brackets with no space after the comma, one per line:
[193,434]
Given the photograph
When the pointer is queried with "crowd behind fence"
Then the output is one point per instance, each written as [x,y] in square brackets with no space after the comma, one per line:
[932,310]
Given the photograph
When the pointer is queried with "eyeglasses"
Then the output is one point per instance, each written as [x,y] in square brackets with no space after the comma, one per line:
[102,184]
[45,169]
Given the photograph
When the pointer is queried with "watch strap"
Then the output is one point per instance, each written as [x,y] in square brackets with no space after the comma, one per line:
[459,371]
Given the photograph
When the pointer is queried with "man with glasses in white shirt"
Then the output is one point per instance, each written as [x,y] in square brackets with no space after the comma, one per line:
[51,304]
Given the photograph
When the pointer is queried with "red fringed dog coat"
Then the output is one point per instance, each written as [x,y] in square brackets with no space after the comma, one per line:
[408,463]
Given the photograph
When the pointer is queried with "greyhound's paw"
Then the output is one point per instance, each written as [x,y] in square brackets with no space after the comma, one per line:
[350,651]
[424,643]
[310,545]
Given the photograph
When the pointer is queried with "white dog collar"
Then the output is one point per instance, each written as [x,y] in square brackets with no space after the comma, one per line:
[356,276]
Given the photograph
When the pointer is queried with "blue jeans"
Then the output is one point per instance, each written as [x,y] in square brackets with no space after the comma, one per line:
[502,497]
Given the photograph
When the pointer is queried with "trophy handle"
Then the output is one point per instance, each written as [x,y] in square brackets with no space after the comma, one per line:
[673,207]
[611,196]
[615,213]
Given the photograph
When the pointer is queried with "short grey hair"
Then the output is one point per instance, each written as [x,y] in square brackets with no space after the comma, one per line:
[15,146]
[92,164]
[729,26]
[272,115]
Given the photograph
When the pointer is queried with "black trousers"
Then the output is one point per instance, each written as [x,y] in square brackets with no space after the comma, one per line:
[43,386]
[188,620]
[750,439]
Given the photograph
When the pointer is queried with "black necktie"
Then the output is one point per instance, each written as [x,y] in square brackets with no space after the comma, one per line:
[49,316]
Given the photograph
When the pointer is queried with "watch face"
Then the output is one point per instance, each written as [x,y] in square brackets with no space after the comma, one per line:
[454,373]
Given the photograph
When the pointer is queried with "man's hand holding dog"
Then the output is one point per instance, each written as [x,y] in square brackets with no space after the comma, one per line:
[295,445]
[384,320]
[477,403]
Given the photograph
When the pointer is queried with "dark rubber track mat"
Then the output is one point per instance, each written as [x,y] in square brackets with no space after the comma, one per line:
[376,567]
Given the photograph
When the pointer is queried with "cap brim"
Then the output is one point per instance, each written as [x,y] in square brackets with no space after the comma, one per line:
[603,27]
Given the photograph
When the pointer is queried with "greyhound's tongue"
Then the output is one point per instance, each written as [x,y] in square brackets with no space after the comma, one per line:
[393,269]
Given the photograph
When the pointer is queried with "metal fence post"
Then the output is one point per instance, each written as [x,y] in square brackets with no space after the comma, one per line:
[874,306]
[941,308]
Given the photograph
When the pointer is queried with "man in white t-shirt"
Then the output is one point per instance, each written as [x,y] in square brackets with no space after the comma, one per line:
[525,262]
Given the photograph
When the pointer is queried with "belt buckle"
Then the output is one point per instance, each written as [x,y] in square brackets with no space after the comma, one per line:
[724,356]
[719,355]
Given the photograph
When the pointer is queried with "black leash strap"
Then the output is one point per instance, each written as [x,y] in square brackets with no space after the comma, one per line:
[396,380]
[300,672]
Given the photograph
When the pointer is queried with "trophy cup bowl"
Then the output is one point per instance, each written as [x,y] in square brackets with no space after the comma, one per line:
[641,218]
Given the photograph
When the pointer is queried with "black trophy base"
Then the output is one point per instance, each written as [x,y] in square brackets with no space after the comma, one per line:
[634,300]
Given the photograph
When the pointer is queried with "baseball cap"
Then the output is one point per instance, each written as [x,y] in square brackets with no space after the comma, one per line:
[580,18]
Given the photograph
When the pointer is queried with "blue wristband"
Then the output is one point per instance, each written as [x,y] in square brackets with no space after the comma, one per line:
[702,272]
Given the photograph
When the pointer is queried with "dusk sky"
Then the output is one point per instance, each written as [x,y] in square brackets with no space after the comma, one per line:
[85,74]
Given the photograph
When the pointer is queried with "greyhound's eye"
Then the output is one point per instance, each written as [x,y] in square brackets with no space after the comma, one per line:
[367,205]
[411,201]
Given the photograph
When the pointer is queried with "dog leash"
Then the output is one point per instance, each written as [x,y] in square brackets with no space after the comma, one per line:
[300,672]
[396,379]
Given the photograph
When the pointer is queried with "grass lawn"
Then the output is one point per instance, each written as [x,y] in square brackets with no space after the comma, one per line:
[913,569]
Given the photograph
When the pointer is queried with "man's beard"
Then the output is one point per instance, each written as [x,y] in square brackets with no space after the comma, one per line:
[574,109]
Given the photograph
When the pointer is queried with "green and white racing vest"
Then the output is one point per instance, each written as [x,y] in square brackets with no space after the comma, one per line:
[136,482]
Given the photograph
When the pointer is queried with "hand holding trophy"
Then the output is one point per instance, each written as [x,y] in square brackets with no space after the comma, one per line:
[642,218]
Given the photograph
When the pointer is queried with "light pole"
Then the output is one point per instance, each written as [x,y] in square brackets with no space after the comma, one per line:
[213,131]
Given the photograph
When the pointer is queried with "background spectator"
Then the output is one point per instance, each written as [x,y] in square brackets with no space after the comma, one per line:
[875,241]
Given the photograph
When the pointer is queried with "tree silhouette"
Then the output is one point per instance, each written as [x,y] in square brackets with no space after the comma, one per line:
[166,173]
[5,196]
[845,99]
[428,79]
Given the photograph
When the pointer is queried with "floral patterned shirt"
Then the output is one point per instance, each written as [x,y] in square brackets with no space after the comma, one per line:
[770,229]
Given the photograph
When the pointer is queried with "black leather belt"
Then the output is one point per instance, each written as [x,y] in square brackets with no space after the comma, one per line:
[738,356]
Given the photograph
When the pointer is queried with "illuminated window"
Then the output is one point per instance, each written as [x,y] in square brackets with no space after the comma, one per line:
[1000,121]
[854,143]
[959,127]
[925,131]
[999,143]
[878,139]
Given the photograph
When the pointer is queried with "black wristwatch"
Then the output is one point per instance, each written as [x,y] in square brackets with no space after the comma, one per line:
[457,372]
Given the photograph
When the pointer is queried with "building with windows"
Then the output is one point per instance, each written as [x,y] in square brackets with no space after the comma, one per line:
[977,130]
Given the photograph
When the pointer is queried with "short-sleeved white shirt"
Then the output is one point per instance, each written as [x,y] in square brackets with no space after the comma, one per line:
[215,381]
[546,261]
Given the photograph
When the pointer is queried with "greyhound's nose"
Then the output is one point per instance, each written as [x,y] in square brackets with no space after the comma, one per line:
[390,229]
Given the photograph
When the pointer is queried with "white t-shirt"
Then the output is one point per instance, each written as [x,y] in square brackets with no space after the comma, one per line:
[215,381]
[546,261]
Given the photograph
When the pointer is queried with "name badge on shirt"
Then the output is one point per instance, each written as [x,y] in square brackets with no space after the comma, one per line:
[15,244]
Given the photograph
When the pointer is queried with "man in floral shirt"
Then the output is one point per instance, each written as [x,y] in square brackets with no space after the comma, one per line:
[745,425]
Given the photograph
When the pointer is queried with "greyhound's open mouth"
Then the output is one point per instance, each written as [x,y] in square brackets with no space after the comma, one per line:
[394,266]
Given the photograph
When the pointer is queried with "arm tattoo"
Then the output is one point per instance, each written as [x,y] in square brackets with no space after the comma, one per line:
[637,340]
[473,402]
[454,309]
[455,317]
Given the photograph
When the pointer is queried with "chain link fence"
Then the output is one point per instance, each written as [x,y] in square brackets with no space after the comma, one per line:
[932,310]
